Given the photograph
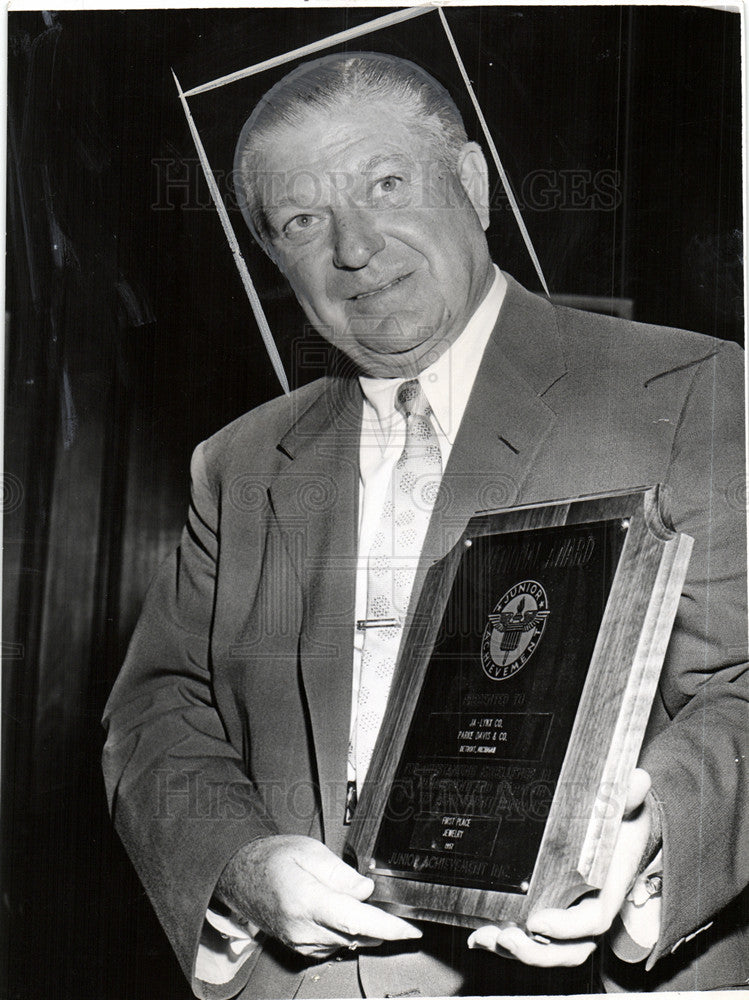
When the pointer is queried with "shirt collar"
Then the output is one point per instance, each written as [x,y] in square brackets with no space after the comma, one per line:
[447,383]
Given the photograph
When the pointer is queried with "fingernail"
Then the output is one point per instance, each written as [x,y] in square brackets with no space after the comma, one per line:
[541,938]
[474,941]
[412,932]
[538,927]
[486,940]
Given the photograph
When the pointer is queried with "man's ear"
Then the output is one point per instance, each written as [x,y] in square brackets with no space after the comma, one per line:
[474,176]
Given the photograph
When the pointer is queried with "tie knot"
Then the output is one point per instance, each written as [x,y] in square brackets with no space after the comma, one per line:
[412,401]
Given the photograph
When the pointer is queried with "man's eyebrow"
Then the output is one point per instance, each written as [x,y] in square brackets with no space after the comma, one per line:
[286,202]
[280,203]
[397,159]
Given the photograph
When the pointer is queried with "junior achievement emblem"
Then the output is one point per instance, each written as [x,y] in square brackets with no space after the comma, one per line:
[514,630]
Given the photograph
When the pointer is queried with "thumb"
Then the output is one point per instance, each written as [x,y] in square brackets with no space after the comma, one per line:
[340,877]
[639,786]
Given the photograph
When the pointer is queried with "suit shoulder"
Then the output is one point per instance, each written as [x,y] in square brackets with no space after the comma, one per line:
[643,350]
[258,431]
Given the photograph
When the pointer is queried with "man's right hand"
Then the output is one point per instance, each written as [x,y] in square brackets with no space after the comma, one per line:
[298,891]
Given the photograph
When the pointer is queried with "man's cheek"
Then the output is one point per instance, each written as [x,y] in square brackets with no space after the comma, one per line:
[307,287]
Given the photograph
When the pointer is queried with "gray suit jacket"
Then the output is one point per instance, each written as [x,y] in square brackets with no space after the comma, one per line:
[230,718]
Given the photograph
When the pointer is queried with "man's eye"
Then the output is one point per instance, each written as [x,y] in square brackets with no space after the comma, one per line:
[388,192]
[389,184]
[299,224]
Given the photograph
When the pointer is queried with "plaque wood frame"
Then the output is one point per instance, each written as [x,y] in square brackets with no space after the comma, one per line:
[609,725]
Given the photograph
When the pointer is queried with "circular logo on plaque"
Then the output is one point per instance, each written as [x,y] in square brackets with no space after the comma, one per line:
[514,630]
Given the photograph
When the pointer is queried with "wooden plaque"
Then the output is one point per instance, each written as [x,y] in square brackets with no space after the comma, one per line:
[518,710]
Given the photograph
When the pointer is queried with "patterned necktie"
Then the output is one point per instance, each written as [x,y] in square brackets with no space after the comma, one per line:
[392,564]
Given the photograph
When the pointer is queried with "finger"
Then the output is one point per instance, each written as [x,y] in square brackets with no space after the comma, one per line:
[513,941]
[355,943]
[343,878]
[587,919]
[316,940]
[334,944]
[336,874]
[353,918]
[317,951]
[637,790]
[486,938]
[313,940]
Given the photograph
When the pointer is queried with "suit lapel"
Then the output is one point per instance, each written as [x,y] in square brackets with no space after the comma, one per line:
[315,501]
[505,422]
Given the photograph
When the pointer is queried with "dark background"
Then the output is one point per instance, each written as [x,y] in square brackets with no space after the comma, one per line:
[129,339]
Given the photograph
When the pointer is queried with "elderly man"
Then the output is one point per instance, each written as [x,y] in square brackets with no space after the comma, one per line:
[244,718]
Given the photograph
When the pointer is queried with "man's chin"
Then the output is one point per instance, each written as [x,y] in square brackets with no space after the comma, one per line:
[390,346]
[394,361]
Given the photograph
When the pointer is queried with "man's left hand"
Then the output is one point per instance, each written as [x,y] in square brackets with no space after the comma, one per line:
[572,933]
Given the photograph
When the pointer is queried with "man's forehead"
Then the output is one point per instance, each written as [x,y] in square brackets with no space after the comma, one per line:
[363,129]
[332,152]
[355,157]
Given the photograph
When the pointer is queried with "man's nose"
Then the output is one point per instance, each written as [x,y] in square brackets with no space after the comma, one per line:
[356,241]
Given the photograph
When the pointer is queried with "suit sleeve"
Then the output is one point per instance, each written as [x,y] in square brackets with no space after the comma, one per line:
[177,790]
[698,760]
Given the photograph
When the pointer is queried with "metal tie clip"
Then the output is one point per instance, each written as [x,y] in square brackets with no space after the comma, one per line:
[363,623]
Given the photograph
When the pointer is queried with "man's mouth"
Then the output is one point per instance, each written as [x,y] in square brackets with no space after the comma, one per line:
[381,288]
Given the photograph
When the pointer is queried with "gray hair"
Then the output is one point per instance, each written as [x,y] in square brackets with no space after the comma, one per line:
[340,80]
